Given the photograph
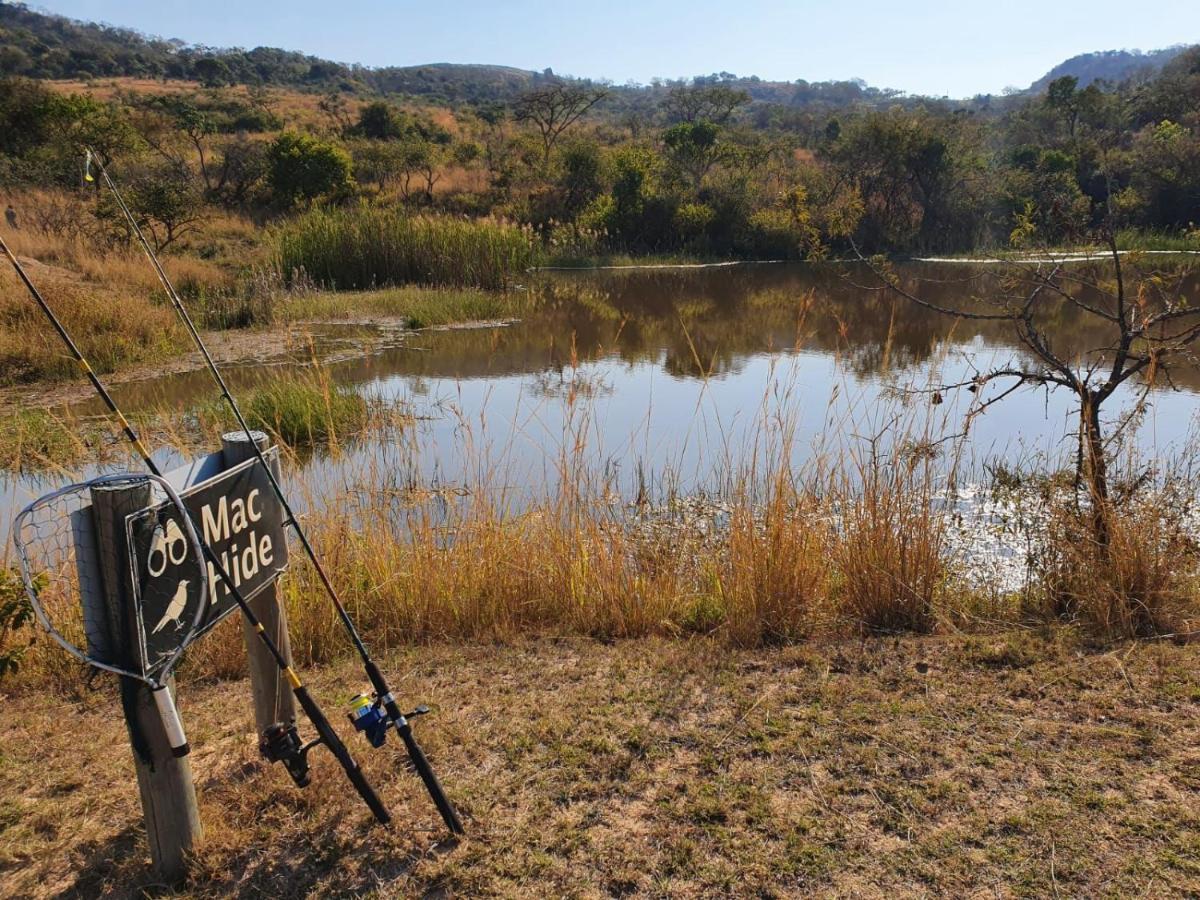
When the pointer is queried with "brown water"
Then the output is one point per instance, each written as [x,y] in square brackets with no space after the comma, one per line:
[676,378]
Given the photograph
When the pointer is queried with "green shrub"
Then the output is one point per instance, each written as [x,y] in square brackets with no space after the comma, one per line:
[302,168]
[15,614]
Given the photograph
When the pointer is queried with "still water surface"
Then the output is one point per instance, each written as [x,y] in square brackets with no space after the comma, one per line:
[674,379]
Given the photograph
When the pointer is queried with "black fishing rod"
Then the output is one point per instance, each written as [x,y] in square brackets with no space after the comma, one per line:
[280,743]
[366,717]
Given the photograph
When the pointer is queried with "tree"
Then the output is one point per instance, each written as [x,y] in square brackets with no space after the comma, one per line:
[380,121]
[104,127]
[1146,317]
[693,148]
[335,107]
[716,103]
[27,113]
[377,161]
[166,203]
[555,108]
[243,164]
[213,72]
[303,168]
[921,178]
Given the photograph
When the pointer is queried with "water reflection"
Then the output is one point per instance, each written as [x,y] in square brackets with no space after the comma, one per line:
[644,376]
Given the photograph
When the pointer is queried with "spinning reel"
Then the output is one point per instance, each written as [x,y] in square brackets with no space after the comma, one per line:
[369,717]
[281,743]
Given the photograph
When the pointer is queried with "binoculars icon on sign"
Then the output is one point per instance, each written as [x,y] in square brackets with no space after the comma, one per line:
[167,544]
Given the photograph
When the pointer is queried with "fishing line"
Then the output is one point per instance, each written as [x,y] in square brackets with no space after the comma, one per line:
[284,748]
[362,717]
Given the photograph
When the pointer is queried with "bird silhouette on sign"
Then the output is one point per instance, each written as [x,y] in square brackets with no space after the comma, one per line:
[174,609]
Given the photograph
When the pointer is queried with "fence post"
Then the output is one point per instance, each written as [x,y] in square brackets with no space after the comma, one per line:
[273,700]
[164,781]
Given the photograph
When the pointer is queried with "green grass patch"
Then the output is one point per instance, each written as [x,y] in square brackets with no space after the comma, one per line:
[363,248]
[623,260]
[1158,239]
[301,412]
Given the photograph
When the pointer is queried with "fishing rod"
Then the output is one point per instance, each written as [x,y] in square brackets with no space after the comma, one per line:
[372,716]
[281,742]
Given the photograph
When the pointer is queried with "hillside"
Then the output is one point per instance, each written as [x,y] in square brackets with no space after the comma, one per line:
[1114,66]
[46,46]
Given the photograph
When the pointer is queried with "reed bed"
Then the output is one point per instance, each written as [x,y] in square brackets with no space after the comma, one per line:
[364,247]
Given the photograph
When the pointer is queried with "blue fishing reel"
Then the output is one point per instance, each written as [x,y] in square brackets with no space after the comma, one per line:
[369,717]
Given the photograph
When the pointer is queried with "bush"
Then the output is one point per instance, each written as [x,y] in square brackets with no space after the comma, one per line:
[303,168]
[366,248]
[890,559]
[1142,584]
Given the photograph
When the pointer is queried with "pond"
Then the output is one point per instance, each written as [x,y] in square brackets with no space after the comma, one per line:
[679,380]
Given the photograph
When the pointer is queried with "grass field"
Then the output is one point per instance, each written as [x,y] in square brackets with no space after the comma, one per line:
[1021,764]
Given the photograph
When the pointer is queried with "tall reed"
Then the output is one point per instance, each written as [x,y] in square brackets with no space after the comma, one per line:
[367,247]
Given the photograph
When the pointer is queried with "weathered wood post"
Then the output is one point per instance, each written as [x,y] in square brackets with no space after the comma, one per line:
[164,781]
[273,700]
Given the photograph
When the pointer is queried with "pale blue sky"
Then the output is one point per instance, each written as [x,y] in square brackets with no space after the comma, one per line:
[941,47]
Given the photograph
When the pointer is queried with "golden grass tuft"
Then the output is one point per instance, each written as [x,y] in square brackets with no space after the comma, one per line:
[1145,583]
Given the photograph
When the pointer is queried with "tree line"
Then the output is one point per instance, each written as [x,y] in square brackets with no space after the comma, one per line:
[701,170]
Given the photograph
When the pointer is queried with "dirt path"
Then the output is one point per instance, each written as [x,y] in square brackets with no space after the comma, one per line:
[227,347]
[1001,766]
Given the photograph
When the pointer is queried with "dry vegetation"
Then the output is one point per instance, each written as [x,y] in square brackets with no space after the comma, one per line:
[1013,765]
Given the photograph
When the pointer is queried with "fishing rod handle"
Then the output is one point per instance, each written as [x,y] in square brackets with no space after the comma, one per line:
[170,719]
[425,770]
[331,740]
[419,760]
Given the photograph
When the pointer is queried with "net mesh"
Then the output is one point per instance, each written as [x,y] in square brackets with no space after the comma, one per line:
[56,544]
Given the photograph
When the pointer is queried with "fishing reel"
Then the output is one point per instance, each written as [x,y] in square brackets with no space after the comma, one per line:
[281,743]
[369,717]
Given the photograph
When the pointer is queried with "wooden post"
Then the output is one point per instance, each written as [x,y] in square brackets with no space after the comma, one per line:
[164,781]
[273,700]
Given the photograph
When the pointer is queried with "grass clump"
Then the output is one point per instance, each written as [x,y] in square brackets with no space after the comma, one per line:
[303,412]
[111,331]
[363,247]
[890,557]
[1158,239]
[1142,584]
[34,439]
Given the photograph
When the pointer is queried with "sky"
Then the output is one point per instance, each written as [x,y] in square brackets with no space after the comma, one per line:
[939,48]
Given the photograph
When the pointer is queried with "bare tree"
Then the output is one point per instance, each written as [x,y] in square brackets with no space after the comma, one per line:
[714,103]
[555,108]
[1146,326]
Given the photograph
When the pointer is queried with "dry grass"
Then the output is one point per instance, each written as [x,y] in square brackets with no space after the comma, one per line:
[1011,765]
[1144,583]
[111,327]
[891,558]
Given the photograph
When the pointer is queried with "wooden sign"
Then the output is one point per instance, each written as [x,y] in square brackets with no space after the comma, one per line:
[237,515]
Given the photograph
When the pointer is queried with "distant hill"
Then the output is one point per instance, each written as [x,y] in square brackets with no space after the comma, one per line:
[40,45]
[1113,66]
